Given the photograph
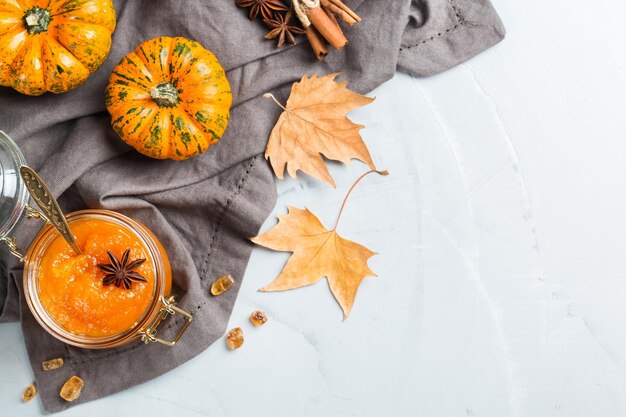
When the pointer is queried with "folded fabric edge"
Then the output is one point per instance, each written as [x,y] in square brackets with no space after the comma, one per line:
[478,28]
[9,297]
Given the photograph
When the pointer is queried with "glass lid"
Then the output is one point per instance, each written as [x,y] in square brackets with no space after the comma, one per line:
[13,194]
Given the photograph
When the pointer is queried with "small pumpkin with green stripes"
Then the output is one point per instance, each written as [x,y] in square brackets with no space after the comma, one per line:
[169,98]
[53,45]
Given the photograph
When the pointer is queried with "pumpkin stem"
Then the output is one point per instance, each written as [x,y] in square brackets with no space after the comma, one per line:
[165,95]
[36,20]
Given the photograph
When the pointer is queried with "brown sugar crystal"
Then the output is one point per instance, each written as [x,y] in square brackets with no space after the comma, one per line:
[71,389]
[51,364]
[29,393]
[258,318]
[234,338]
[222,284]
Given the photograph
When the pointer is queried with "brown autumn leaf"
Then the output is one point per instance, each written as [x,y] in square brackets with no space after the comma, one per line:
[313,124]
[317,252]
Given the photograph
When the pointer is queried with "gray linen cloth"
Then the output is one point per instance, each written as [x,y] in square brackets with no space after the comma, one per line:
[204,208]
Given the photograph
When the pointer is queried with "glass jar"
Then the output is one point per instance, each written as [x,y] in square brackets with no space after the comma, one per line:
[13,194]
[159,301]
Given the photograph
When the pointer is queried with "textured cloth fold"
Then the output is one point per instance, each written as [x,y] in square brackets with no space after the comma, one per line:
[204,208]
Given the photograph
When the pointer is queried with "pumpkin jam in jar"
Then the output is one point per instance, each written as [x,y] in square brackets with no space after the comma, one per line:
[71,288]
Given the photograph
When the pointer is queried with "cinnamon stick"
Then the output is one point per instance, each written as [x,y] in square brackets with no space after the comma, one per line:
[346,9]
[332,18]
[326,27]
[318,43]
[338,11]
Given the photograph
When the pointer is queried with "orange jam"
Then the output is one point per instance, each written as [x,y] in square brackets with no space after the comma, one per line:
[70,285]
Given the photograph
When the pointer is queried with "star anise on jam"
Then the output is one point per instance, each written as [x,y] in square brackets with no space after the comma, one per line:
[281,29]
[121,271]
[266,7]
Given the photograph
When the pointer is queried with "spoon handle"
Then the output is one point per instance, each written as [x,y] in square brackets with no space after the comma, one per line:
[47,203]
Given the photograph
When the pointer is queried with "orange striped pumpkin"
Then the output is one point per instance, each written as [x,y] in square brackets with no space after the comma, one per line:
[169,99]
[53,45]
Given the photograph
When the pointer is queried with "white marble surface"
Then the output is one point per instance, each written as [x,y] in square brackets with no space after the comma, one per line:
[501,281]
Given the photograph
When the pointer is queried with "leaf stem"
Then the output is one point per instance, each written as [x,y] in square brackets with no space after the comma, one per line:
[270,95]
[343,205]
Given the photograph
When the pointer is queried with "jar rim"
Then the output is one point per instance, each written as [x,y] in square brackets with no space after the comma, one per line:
[33,258]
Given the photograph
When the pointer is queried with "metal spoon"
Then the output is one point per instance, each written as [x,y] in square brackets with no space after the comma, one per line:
[47,203]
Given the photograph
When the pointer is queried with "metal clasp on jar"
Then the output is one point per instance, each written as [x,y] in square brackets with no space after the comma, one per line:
[31,213]
[169,307]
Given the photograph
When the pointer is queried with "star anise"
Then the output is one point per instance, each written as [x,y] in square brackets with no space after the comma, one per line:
[121,272]
[266,7]
[281,29]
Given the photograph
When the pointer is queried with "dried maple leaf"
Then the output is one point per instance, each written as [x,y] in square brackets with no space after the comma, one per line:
[313,124]
[316,253]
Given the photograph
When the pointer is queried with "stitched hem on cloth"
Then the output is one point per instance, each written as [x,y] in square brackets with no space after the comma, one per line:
[459,22]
